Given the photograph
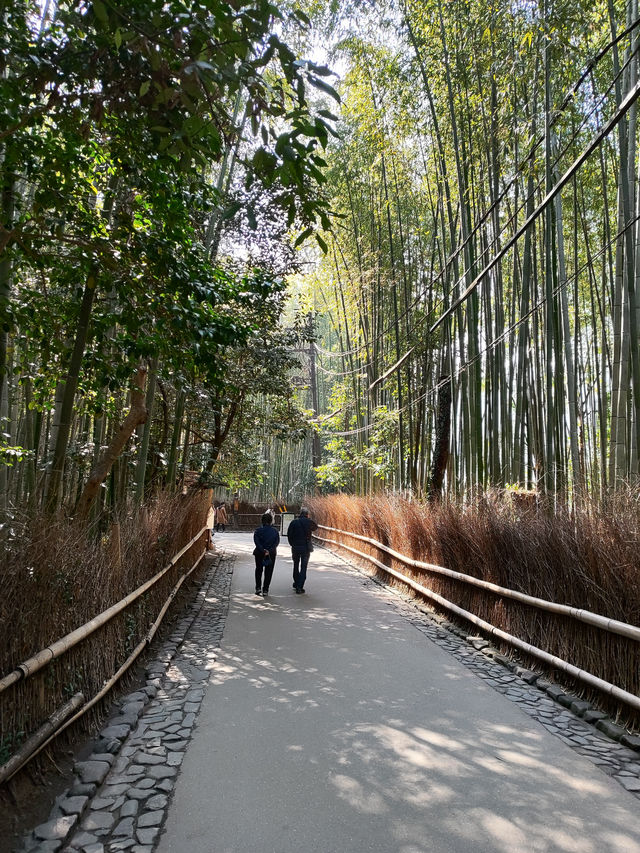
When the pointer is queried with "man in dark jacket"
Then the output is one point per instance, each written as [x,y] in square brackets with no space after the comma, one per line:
[299,536]
[266,540]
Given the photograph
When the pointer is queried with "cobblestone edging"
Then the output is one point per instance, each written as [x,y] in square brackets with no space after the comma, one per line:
[120,797]
[587,730]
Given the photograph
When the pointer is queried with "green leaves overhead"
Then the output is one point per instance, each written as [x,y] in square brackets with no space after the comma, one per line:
[131,137]
[100,11]
[303,236]
[324,87]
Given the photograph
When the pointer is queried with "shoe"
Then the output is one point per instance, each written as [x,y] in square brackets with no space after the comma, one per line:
[259,592]
[265,592]
[296,589]
[300,591]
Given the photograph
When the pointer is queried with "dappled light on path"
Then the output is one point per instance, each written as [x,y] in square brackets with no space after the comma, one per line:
[381,741]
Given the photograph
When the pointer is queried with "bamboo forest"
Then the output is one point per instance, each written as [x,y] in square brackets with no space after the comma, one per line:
[370,263]
[284,249]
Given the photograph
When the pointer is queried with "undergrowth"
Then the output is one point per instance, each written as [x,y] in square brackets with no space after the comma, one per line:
[56,576]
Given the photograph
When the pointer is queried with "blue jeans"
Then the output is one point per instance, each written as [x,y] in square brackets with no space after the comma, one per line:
[300,556]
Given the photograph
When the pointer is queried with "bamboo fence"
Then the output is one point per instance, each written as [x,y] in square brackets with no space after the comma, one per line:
[77,707]
[603,623]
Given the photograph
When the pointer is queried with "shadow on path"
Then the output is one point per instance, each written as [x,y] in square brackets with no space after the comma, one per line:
[333,724]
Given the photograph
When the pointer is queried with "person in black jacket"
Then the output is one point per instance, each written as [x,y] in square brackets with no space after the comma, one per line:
[299,536]
[266,540]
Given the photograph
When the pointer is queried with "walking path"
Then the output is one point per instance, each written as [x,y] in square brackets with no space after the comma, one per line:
[340,721]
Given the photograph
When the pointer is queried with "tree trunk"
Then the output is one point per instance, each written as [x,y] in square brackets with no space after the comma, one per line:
[137,415]
[175,438]
[141,467]
[568,352]
[315,438]
[441,448]
[6,220]
[54,489]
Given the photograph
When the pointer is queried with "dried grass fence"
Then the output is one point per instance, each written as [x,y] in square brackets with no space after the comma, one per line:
[55,578]
[588,559]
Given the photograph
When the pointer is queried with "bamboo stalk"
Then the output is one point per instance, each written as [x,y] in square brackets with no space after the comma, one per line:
[566,177]
[603,622]
[557,663]
[55,650]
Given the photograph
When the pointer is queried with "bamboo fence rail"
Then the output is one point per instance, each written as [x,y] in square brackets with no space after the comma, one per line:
[61,718]
[45,656]
[41,738]
[611,625]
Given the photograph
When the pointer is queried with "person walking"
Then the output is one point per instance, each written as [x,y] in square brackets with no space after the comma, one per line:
[299,536]
[211,523]
[221,518]
[266,540]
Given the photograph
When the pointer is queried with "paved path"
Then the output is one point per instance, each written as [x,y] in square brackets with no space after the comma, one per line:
[331,724]
[341,721]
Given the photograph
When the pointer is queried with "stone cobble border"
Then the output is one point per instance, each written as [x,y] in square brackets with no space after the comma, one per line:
[121,793]
[574,721]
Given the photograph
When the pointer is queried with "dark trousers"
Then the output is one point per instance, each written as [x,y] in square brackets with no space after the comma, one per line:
[300,555]
[268,571]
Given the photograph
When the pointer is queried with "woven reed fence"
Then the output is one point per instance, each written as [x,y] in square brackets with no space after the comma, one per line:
[586,566]
[84,616]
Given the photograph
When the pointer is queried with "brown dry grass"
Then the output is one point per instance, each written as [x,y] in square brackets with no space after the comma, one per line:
[55,577]
[588,558]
